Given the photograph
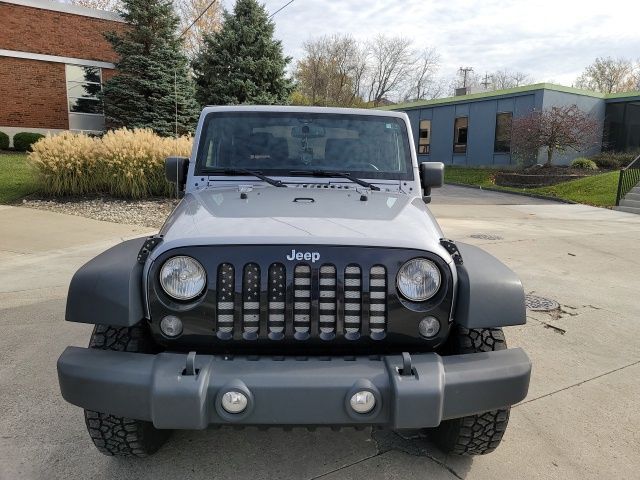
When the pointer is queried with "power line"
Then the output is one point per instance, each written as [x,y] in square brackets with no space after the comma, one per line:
[281,8]
[199,17]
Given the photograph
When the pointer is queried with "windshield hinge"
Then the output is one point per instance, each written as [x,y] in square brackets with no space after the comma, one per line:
[452,248]
[149,244]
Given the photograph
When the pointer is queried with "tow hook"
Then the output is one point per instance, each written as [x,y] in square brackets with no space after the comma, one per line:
[190,367]
[407,368]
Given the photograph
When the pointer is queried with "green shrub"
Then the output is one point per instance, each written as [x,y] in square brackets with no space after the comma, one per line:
[584,164]
[4,141]
[614,160]
[123,163]
[22,141]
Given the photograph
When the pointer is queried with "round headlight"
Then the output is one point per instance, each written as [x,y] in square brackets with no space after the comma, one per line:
[418,279]
[182,277]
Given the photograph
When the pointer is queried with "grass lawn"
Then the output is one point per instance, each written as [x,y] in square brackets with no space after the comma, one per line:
[482,177]
[17,179]
[598,190]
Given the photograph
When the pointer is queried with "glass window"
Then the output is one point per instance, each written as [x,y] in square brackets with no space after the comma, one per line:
[424,137]
[83,86]
[460,130]
[277,143]
[502,142]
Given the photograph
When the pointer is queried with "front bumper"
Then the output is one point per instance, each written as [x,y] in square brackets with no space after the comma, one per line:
[292,391]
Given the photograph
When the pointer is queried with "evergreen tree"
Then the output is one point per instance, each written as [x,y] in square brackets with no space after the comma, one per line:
[152,72]
[242,62]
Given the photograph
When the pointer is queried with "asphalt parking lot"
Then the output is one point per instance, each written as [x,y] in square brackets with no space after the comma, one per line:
[581,419]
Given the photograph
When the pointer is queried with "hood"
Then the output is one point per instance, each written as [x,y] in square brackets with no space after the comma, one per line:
[299,216]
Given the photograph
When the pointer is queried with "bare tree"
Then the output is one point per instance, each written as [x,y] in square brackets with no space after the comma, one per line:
[209,22]
[187,10]
[610,75]
[502,79]
[391,60]
[108,5]
[422,83]
[332,71]
[557,129]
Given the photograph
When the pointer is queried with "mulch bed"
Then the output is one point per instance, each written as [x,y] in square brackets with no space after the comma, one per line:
[541,176]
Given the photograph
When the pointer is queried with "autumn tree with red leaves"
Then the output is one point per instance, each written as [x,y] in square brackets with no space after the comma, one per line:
[557,129]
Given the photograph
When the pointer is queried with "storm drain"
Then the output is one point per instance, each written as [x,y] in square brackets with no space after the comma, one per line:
[486,236]
[540,304]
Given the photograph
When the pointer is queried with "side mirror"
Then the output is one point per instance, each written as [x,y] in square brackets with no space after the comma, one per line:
[431,176]
[175,171]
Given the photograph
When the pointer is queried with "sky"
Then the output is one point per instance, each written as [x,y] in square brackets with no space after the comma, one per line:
[551,40]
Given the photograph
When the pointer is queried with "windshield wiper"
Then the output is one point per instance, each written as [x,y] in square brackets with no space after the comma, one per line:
[331,173]
[244,171]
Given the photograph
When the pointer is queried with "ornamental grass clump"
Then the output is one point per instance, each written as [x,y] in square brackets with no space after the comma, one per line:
[67,164]
[123,163]
[134,161]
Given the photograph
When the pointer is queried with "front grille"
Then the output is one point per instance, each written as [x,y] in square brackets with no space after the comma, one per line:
[302,303]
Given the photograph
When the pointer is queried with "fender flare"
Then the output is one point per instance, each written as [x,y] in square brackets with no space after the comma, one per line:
[108,289]
[489,293]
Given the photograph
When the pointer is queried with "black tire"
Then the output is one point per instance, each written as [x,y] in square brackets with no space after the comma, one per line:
[475,434]
[119,436]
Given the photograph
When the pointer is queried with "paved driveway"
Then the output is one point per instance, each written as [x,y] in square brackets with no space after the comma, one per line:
[581,419]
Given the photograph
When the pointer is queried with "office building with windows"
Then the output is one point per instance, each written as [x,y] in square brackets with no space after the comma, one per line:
[475,129]
[53,60]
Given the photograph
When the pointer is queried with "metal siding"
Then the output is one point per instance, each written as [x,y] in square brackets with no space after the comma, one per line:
[442,136]
[414,120]
[506,105]
[482,123]
[462,110]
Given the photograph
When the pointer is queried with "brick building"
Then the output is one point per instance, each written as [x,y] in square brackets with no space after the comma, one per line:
[53,60]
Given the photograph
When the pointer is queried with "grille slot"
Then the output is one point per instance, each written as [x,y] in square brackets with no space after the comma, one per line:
[352,299]
[302,299]
[225,303]
[377,299]
[251,299]
[277,296]
[327,306]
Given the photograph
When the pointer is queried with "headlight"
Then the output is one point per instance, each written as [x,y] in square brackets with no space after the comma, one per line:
[182,277]
[418,279]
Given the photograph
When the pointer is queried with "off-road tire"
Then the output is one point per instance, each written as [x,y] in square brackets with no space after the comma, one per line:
[475,434]
[119,436]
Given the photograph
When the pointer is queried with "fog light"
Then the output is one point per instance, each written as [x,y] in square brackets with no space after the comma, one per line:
[234,402]
[171,326]
[429,327]
[363,401]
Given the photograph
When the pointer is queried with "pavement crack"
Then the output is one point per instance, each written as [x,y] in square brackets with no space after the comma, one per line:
[578,384]
[335,470]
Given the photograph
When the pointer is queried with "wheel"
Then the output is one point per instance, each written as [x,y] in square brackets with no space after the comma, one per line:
[475,434]
[119,436]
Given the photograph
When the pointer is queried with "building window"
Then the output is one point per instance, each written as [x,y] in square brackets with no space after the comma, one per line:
[424,137]
[502,143]
[460,130]
[83,86]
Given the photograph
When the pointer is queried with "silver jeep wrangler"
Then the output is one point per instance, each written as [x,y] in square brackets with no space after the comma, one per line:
[301,280]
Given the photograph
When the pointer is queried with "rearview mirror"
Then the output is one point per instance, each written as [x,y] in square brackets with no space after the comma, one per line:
[175,171]
[307,131]
[431,176]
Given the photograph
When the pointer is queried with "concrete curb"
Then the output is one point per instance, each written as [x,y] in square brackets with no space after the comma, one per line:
[522,194]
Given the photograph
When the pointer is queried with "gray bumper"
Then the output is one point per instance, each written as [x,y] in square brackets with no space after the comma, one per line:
[290,391]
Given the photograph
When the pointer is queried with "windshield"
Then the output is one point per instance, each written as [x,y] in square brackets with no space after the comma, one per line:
[276,143]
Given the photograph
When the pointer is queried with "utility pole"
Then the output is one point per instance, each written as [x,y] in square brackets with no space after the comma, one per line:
[485,83]
[464,71]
